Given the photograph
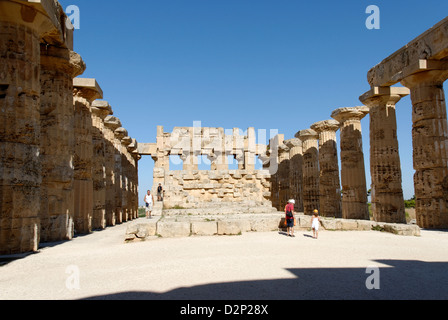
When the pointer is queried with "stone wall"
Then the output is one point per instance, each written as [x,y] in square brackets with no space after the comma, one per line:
[193,189]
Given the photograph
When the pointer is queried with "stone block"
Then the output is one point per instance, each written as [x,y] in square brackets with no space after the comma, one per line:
[265,224]
[349,224]
[172,229]
[229,227]
[204,228]
[402,229]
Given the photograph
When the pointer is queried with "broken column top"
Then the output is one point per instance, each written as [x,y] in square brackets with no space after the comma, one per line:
[88,88]
[350,113]
[326,125]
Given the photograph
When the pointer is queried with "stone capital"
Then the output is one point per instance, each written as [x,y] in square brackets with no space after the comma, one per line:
[291,143]
[326,125]
[120,133]
[112,123]
[87,88]
[425,72]
[350,113]
[126,141]
[101,109]
[307,134]
[46,17]
[383,95]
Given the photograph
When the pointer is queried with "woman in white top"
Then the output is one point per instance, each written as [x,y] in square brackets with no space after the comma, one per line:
[149,201]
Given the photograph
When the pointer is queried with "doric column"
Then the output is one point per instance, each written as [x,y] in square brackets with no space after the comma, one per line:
[295,172]
[100,110]
[57,143]
[120,133]
[310,170]
[133,176]
[111,124]
[250,150]
[353,176]
[329,185]
[385,167]
[23,25]
[85,92]
[126,172]
[430,143]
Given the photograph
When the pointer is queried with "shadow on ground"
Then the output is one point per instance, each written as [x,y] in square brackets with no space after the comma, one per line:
[399,280]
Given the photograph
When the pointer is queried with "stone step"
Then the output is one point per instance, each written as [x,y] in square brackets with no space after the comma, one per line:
[209,225]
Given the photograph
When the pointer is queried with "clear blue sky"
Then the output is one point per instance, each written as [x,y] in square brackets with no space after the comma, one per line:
[268,64]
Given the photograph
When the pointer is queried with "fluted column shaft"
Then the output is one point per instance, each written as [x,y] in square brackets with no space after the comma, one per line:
[430,146]
[329,186]
[353,176]
[310,170]
[385,166]
[58,68]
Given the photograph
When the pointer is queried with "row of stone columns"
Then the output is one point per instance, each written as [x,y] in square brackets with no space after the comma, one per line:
[54,142]
[317,171]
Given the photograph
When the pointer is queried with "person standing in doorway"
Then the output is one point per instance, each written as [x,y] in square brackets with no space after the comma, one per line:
[149,201]
[159,192]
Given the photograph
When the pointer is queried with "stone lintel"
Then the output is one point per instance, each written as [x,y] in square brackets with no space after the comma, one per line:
[350,113]
[88,88]
[326,125]
[430,45]
[47,17]
[147,149]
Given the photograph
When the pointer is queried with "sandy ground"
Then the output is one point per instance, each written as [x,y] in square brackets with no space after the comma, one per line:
[253,266]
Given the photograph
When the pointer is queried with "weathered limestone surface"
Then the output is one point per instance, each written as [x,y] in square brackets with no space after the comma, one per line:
[430,146]
[353,177]
[58,68]
[295,172]
[329,186]
[192,188]
[385,167]
[110,125]
[52,159]
[85,92]
[421,66]
[23,25]
[311,195]
[99,111]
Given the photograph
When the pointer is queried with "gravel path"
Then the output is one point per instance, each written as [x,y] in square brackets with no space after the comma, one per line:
[255,266]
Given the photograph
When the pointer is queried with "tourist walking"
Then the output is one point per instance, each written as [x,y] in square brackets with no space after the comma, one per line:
[315,224]
[289,211]
[149,201]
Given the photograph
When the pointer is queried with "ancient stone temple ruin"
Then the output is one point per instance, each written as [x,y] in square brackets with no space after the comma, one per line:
[56,145]
[68,166]
[219,186]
